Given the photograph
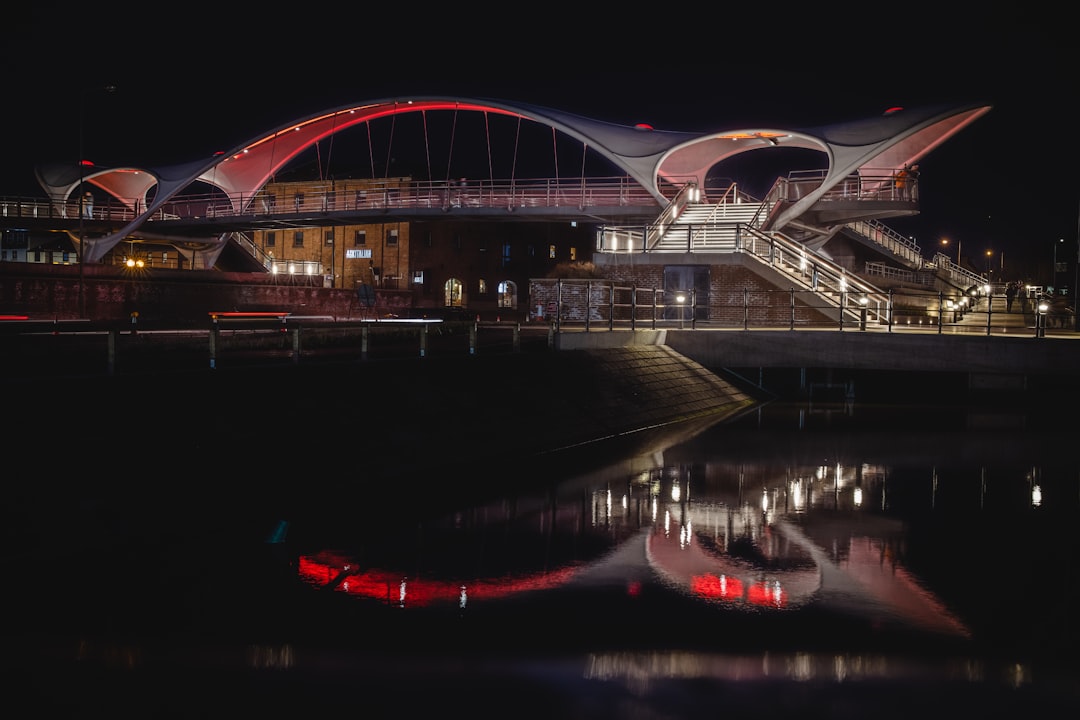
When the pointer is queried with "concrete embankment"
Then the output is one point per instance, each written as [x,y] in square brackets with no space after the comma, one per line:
[351,428]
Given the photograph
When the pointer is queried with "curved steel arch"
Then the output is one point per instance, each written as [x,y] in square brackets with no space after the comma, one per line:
[887,142]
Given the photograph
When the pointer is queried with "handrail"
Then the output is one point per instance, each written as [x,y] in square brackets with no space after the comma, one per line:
[593,305]
[731,192]
[889,239]
[355,195]
[655,232]
[845,291]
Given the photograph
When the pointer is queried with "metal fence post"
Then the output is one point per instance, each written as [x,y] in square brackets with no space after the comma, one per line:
[889,310]
[588,303]
[558,304]
[792,309]
[611,306]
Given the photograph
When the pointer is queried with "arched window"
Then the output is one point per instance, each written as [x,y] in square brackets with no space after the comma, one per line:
[508,295]
[452,291]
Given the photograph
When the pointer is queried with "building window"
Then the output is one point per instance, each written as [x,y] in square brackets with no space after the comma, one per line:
[331,200]
[298,239]
[551,252]
[298,200]
[328,237]
[573,253]
[358,202]
[271,238]
[360,238]
[391,237]
[481,287]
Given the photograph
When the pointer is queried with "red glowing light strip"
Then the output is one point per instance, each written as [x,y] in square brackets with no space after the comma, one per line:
[14,317]
[249,314]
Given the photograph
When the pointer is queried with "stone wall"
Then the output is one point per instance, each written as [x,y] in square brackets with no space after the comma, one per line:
[175,296]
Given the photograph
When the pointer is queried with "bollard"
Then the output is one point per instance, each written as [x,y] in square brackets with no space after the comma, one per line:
[472,338]
[213,343]
[134,323]
[296,346]
[423,340]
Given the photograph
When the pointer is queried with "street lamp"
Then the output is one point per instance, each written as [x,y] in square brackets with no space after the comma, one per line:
[1054,273]
[945,243]
[81,192]
[680,298]
[989,254]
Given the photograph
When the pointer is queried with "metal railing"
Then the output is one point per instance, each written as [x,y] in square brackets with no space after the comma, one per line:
[352,196]
[601,305]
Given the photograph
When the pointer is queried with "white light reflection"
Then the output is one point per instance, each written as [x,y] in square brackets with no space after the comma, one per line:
[464,598]
[667,524]
[798,499]
[1036,496]
[685,533]
[858,497]
[676,492]
[765,500]
[401,592]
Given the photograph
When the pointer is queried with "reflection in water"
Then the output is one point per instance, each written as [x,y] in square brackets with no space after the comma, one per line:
[846,525]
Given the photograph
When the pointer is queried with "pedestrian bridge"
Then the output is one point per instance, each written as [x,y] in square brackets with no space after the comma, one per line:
[652,165]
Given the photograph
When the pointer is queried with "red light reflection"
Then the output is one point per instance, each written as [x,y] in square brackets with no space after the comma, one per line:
[329,570]
[767,594]
[723,587]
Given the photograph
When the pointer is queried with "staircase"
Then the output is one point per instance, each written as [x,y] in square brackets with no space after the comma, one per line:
[705,227]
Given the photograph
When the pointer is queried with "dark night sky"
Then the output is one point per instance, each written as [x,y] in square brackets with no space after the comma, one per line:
[195,79]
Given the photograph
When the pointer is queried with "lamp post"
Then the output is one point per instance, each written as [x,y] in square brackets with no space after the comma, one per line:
[1054,268]
[680,298]
[945,244]
[989,254]
[82,195]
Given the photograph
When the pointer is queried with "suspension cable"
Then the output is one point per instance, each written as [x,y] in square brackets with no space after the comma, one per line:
[450,155]
[487,134]
[513,165]
[390,145]
[555,151]
[584,152]
[427,144]
[330,148]
[371,149]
